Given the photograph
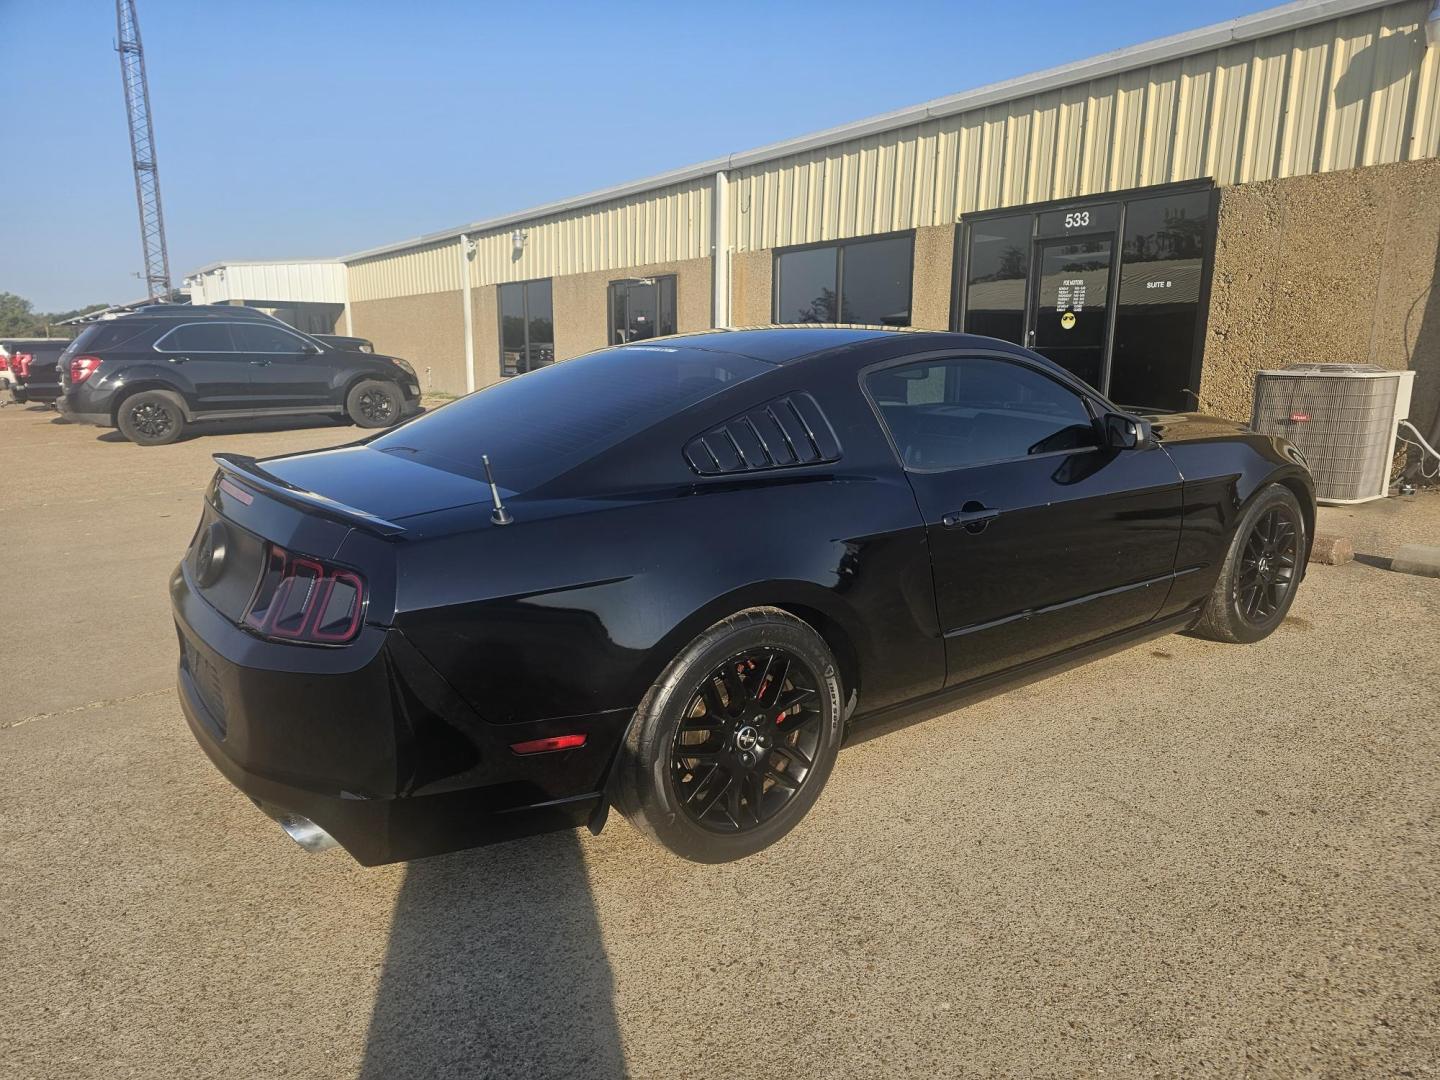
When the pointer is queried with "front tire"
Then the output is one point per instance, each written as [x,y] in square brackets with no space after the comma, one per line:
[732,745]
[1261,572]
[151,418]
[374,403]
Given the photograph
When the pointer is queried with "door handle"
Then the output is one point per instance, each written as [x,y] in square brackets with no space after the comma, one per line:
[178,359]
[973,517]
[259,363]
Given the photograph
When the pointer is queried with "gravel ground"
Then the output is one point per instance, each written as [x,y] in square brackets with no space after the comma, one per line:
[1186,859]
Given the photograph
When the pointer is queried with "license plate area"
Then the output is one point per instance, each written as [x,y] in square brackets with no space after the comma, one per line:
[205,677]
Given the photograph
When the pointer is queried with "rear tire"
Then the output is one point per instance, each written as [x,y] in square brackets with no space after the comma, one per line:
[151,418]
[374,403]
[1261,572]
[732,745]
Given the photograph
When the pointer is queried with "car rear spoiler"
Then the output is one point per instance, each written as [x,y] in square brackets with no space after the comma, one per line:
[248,471]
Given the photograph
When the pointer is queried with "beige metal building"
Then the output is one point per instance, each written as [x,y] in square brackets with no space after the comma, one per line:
[1164,220]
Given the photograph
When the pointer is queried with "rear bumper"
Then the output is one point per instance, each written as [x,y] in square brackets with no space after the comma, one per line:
[78,411]
[370,744]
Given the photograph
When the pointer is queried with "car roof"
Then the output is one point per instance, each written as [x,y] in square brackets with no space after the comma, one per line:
[773,344]
[201,311]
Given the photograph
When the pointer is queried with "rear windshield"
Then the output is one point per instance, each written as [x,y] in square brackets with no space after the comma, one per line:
[539,425]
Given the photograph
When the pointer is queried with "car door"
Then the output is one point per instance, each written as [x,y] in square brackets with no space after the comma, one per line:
[287,370]
[1041,538]
[206,366]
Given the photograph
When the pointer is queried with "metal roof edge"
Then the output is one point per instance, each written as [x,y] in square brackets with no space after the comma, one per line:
[1187,43]
[208,267]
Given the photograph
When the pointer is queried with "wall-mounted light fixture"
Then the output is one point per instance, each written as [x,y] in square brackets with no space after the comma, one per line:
[517,243]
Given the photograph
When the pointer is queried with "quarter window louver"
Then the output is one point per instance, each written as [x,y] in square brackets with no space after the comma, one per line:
[786,433]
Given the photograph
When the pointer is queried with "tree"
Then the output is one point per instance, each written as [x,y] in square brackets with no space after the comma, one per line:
[18,318]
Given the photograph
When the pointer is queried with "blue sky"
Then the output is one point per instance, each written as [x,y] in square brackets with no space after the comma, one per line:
[307,129]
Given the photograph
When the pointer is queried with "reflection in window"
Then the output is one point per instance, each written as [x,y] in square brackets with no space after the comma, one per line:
[527,327]
[956,413]
[642,308]
[997,273]
[1161,272]
[862,281]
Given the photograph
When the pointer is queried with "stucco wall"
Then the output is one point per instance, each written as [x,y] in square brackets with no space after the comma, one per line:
[581,319]
[750,287]
[932,282]
[427,330]
[1332,267]
[485,318]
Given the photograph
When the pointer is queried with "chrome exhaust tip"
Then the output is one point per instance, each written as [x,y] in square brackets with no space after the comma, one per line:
[306,833]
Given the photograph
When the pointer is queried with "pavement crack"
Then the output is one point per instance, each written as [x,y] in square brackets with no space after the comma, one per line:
[85,708]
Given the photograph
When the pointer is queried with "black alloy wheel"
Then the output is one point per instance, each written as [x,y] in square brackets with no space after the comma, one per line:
[1267,566]
[1261,572]
[152,419]
[376,407]
[748,740]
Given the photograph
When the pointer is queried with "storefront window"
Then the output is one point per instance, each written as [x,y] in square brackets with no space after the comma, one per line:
[527,327]
[859,281]
[998,271]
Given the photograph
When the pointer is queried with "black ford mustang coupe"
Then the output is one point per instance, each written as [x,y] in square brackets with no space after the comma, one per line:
[702,560]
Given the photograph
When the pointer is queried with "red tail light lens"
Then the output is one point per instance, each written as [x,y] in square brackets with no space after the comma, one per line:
[82,367]
[303,599]
[22,364]
[4,363]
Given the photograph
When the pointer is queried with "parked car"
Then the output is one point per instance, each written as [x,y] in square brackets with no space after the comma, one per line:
[701,562]
[30,364]
[343,341]
[156,371]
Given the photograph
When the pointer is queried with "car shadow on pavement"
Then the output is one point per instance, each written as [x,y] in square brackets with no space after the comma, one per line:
[252,427]
[496,967]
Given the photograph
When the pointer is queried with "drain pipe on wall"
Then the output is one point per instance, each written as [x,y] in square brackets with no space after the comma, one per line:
[467,250]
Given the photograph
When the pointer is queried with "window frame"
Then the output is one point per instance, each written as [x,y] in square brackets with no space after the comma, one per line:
[524,287]
[1096,404]
[839,246]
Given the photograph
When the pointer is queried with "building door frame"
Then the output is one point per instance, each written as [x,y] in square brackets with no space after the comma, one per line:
[1054,210]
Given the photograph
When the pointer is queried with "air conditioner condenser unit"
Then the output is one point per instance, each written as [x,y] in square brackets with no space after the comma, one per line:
[1342,417]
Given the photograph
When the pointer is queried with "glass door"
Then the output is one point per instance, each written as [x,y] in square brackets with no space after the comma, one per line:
[641,308]
[1070,303]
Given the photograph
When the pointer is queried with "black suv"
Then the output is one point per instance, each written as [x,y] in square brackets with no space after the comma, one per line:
[157,370]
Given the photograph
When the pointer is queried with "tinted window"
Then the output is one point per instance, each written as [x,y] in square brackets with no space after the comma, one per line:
[997,269]
[535,428]
[953,413]
[258,338]
[875,282]
[641,309]
[863,281]
[808,287]
[197,337]
[1161,271]
[527,327]
[107,335]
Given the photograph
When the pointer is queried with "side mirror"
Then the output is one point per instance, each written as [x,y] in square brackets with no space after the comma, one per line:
[306,349]
[1123,432]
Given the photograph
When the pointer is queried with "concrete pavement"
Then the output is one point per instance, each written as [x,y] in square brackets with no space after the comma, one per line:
[1189,858]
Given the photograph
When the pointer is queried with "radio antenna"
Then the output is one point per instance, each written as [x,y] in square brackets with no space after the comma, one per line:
[500,516]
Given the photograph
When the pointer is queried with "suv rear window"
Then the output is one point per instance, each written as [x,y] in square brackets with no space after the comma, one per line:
[105,335]
[539,425]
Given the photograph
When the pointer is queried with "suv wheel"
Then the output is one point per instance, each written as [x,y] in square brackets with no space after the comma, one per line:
[151,418]
[374,403]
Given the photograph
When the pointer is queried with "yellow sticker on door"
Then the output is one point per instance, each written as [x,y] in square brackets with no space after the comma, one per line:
[1067,321]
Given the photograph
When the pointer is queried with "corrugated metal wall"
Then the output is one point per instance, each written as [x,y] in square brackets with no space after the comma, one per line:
[427,269]
[303,282]
[665,225]
[1359,90]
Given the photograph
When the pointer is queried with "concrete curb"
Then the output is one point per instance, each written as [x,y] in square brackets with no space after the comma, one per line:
[1421,559]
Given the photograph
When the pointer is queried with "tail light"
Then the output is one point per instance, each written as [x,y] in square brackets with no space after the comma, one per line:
[82,367]
[304,599]
[4,362]
[22,364]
